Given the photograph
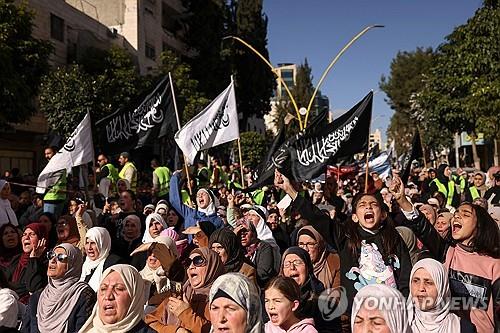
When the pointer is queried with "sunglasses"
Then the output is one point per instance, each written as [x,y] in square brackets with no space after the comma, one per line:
[197,261]
[61,257]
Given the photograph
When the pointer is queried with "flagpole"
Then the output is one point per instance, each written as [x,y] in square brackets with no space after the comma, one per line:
[422,146]
[241,164]
[179,126]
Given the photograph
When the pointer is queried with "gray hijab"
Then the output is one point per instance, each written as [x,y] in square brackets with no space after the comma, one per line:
[243,292]
[59,298]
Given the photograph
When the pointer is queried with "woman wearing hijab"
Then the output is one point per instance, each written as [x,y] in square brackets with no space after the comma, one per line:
[98,258]
[326,264]
[228,247]
[259,252]
[192,311]
[71,230]
[431,296]
[154,226]
[10,245]
[28,271]
[159,263]
[296,264]
[381,308]
[122,289]
[237,292]
[50,221]
[7,214]
[206,203]
[65,303]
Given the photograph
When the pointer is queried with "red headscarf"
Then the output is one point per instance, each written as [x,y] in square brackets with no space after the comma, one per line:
[41,231]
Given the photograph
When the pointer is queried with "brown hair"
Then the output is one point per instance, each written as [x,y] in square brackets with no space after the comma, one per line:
[287,286]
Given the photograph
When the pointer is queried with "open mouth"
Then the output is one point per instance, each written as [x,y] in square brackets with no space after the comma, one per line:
[273,316]
[109,309]
[52,267]
[456,227]
[369,217]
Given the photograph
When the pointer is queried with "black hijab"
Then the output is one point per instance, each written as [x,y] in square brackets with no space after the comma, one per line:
[235,251]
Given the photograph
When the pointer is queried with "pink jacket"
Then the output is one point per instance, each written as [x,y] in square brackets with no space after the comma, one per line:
[303,326]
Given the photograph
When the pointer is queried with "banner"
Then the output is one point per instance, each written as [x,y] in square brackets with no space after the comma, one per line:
[149,117]
[215,125]
[345,136]
[78,150]
[276,157]
[414,153]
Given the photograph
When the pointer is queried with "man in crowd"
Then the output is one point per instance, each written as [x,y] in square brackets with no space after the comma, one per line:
[107,176]
[161,181]
[128,171]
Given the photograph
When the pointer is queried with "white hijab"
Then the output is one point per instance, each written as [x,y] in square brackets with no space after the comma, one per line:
[390,302]
[136,288]
[212,206]
[243,292]
[147,238]
[439,319]
[7,214]
[103,241]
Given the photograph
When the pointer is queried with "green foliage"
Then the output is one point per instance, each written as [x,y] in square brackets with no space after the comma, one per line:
[23,61]
[206,23]
[253,148]
[216,60]
[105,82]
[303,89]
[189,100]
[254,80]
[463,89]
[408,70]
[65,96]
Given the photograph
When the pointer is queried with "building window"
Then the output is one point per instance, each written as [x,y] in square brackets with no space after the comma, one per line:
[56,28]
[150,51]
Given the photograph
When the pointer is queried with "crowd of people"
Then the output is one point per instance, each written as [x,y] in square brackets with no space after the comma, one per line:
[195,251]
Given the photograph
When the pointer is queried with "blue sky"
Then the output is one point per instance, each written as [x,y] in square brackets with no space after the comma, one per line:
[318,29]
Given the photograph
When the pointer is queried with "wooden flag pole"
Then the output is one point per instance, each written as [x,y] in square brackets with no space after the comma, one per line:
[241,164]
[367,168]
[179,127]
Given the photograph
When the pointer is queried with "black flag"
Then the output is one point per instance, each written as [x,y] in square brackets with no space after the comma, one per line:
[345,136]
[279,153]
[414,154]
[149,118]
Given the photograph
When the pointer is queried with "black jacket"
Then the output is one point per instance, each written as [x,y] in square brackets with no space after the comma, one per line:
[33,278]
[334,233]
[76,319]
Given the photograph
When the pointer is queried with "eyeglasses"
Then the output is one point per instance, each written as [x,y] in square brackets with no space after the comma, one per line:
[62,224]
[61,257]
[197,261]
[295,263]
[310,245]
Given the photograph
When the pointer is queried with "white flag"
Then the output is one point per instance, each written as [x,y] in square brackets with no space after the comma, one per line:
[215,125]
[77,150]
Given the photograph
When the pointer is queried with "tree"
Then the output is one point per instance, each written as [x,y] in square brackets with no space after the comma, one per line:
[65,96]
[253,148]
[301,92]
[408,70]
[190,101]
[104,82]
[254,81]
[23,61]
[463,88]
[207,19]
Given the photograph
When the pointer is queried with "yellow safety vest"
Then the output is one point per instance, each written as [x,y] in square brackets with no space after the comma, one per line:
[133,185]
[448,193]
